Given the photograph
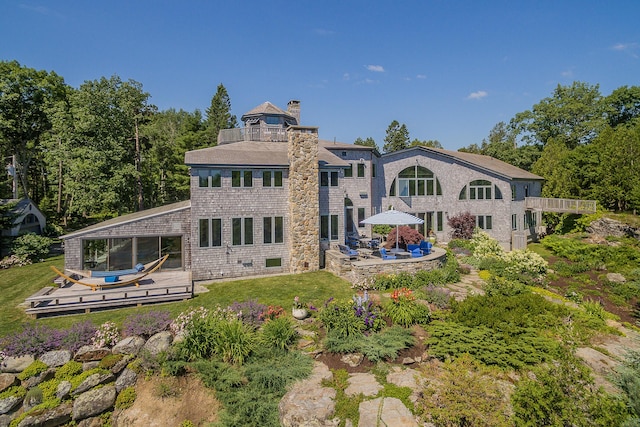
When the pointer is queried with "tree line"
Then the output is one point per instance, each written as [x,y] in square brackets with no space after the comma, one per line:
[99,150]
[102,149]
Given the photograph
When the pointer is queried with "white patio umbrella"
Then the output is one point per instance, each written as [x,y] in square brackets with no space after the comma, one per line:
[393,217]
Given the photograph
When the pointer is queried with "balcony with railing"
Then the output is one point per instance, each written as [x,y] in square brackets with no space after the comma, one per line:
[546,204]
[253,133]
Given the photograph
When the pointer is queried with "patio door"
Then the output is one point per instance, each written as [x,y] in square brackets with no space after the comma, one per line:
[349,223]
[427,225]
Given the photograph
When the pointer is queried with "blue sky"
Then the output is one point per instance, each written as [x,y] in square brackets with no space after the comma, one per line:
[449,70]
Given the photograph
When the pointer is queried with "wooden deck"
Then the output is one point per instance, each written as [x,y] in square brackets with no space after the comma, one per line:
[546,204]
[73,298]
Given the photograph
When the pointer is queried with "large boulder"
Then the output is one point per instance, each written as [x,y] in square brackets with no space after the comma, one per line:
[308,403]
[55,358]
[129,345]
[16,364]
[51,417]
[88,353]
[126,379]
[9,403]
[92,381]
[387,411]
[7,380]
[610,227]
[93,402]
[158,343]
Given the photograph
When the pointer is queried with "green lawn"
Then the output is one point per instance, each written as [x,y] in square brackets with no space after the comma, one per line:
[18,283]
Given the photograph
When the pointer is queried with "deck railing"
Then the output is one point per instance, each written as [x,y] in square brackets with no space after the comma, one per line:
[547,204]
[253,133]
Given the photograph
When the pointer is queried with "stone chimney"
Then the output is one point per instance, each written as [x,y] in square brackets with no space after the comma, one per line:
[293,108]
[304,204]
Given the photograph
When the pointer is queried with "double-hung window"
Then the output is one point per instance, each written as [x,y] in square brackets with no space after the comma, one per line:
[484,222]
[272,178]
[242,178]
[209,178]
[329,227]
[210,232]
[242,231]
[273,229]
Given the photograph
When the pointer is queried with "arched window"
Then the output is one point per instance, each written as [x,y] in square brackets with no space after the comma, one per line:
[480,189]
[415,181]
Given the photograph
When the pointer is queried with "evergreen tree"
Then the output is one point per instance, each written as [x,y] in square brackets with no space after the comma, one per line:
[397,137]
[219,115]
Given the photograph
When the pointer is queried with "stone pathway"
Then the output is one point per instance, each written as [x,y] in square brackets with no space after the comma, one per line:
[308,403]
[469,284]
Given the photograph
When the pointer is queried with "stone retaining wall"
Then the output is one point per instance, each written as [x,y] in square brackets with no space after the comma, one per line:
[366,269]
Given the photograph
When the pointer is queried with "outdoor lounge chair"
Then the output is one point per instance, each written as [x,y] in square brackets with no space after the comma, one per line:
[385,255]
[351,253]
[416,253]
[425,247]
[112,278]
[412,246]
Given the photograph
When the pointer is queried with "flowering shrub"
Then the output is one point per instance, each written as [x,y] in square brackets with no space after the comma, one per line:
[406,235]
[339,318]
[272,312]
[525,262]
[146,324]
[14,261]
[34,340]
[77,335]
[106,335]
[297,303]
[485,246]
[403,310]
[186,318]
[249,312]
[366,310]
[462,225]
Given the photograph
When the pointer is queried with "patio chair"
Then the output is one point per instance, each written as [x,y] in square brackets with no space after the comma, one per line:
[416,253]
[374,244]
[425,247]
[412,246]
[385,255]
[351,253]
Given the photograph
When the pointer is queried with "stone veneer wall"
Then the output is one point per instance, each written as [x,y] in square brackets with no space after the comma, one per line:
[304,216]
[358,272]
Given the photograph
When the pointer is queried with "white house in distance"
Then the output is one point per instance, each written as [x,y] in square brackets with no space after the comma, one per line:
[271,194]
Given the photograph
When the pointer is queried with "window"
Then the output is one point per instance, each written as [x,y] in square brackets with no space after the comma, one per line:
[373,170]
[324,179]
[272,178]
[344,154]
[334,179]
[324,227]
[480,189]
[209,178]
[334,227]
[360,170]
[514,222]
[273,262]
[210,232]
[484,222]
[272,120]
[415,181]
[360,217]
[273,229]
[513,192]
[439,222]
[242,178]
[530,219]
[242,231]
[348,172]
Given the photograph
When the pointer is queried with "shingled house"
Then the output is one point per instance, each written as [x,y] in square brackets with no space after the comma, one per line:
[272,194]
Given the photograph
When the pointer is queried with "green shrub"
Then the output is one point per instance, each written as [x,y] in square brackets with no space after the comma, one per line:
[279,333]
[33,396]
[340,317]
[497,286]
[403,310]
[562,393]
[35,368]
[627,378]
[15,390]
[199,339]
[32,246]
[465,393]
[386,344]
[275,373]
[234,341]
